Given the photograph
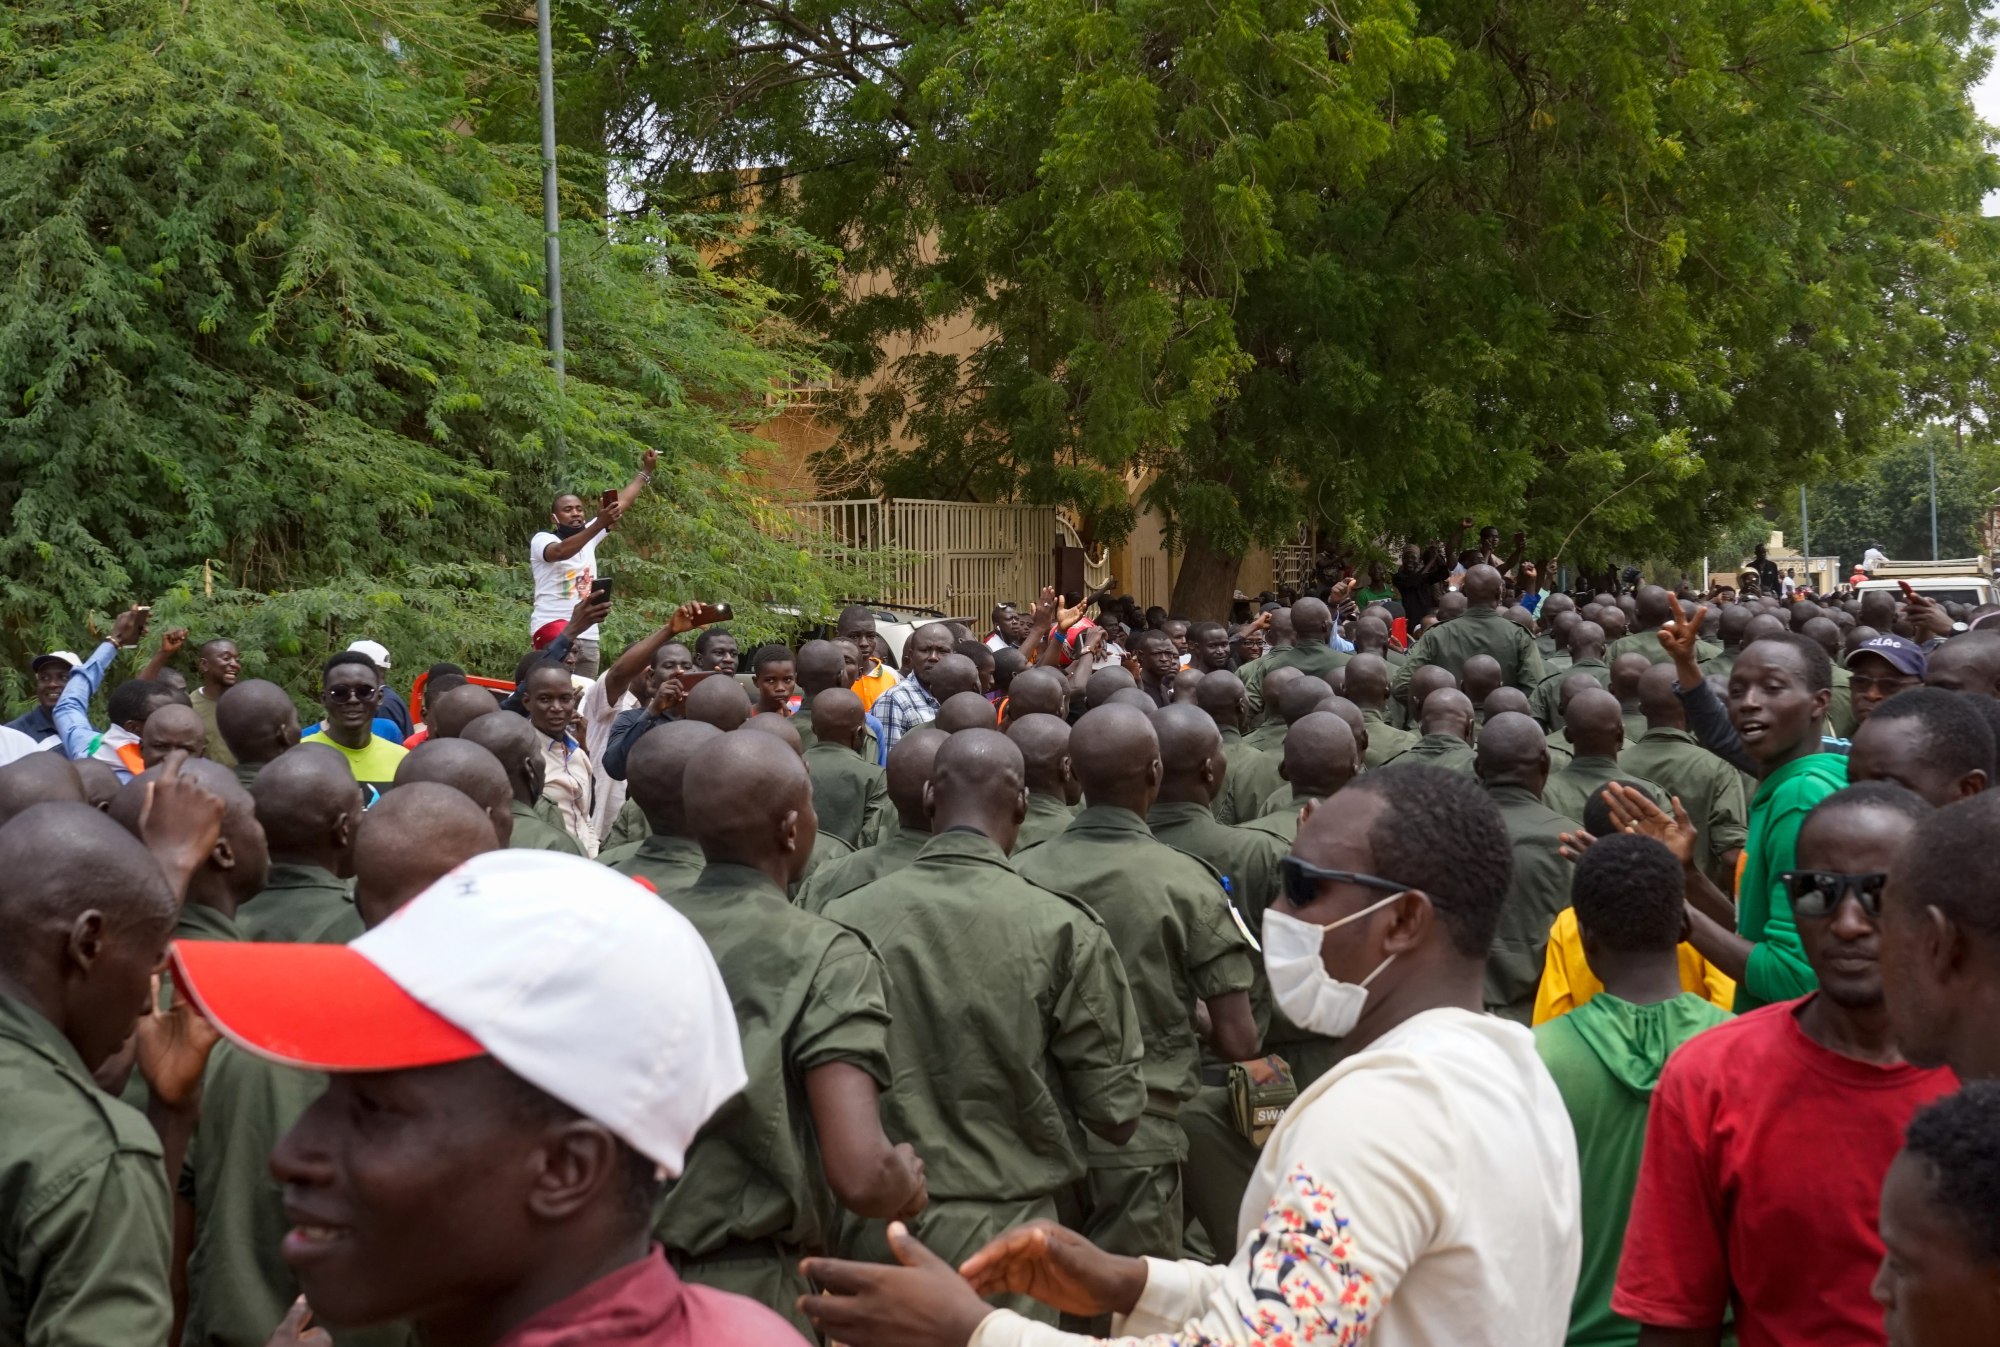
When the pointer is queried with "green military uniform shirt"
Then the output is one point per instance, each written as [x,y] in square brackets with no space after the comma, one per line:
[218,747]
[1012,1017]
[1046,817]
[1720,663]
[1570,789]
[896,849]
[807,993]
[827,849]
[85,1235]
[1708,788]
[1645,643]
[1268,739]
[665,861]
[1840,721]
[246,775]
[1385,739]
[1545,702]
[1537,891]
[1171,926]
[1249,774]
[1246,858]
[850,795]
[1282,824]
[1314,657]
[300,904]
[871,745]
[532,832]
[198,921]
[1478,631]
[628,829]
[1438,750]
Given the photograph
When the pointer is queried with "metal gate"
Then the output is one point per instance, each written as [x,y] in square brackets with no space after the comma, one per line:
[958,557]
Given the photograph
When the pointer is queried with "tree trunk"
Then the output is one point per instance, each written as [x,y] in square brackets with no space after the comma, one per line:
[1206,582]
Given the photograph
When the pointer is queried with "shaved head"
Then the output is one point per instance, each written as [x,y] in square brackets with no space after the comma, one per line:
[1275,683]
[308,802]
[1626,671]
[1448,711]
[1587,640]
[1037,692]
[1301,698]
[1105,684]
[38,778]
[1191,758]
[257,720]
[838,717]
[965,711]
[952,675]
[1505,701]
[413,837]
[457,708]
[777,727]
[1661,707]
[1427,681]
[719,702]
[820,666]
[1321,755]
[1481,674]
[172,727]
[1117,757]
[1513,752]
[978,781]
[470,770]
[1312,620]
[908,769]
[1368,679]
[656,769]
[748,801]
[1221,694]
[1481,587]
[239,864]
[1595,724]
[512,740]
[100,783]
[1044,744]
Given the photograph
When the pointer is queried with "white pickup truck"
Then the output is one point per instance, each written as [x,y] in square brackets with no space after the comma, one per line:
[1967,580]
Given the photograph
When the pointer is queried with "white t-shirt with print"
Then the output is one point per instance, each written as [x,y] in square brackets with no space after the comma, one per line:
[1422,1193]
[560,584]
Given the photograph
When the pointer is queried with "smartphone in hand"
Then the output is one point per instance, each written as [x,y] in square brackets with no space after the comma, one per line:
[605,501]
[706,613]
[600,589]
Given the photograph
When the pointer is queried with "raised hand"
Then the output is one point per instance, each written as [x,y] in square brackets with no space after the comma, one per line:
[1633,812]
[920,1303]
[171,642]
[590,610]
[130,626]
[297,1329]
[608,515]
[1679,637]
[172,1049]
[685,618]
[648,461]
[1060,1268]
[670,693]
[179,821]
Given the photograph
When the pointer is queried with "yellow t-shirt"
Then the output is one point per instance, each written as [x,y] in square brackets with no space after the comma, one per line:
[1567,981]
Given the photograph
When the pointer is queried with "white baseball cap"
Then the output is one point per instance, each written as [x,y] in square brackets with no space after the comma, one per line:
[378,654]
[69,657]
[578,980]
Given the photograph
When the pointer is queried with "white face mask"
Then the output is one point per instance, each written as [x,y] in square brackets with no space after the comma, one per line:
[1311,997]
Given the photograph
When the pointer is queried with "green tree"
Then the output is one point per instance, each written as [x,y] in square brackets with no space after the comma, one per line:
[1888,503]
[271,342]
[1611,272]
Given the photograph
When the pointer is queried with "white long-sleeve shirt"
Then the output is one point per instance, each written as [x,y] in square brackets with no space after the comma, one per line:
[1423,1193]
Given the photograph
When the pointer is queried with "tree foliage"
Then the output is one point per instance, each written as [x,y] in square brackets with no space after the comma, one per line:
[1888,502]
[270,341]
[1612,271]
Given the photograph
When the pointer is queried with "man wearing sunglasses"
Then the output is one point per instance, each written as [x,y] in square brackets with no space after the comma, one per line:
[1770,1135]
[1424,1190]
[351,692]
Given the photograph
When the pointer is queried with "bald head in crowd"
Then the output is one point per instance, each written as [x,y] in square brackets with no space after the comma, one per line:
[470,770]
[414,836]
[656,770]
[1044,744]
[309,804]
[1275,683]
[1117,758]
[1513,752]
[1449,711]
[837,718]
[257,720]
[1105,684]
[820,665]
[1507,701]
[120,905]
[100,783]
[1426,682]
[1481,674]
[1037,692]
[965,711]
[1221,694]
[952,675]
[1968,662]
[1595,724]
[1191,760]
[38,778]
[1321,756]
[512,740]
[172,727]
[1482,587]
[777,727]
[978,781]
[239,864]
[1368,680]
[718,702]
[909,767]
[457,708]
[1312,620]
[752,806]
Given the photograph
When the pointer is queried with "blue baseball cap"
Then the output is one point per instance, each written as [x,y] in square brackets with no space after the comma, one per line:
[1905,655]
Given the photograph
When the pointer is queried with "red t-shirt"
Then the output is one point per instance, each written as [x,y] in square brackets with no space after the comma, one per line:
[1758,1190]
[646,1304]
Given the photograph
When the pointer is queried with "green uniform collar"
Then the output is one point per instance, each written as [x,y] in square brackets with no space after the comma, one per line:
[198,921]
[1170,813]
[826,748]
[667,847]
[1591,762]
[1666,734]
[1504,795]
[1105,818]
[1231,735]
[1039,802]
[1440,743]
[725,877]
[286,875]
[963,844]
[25,1025]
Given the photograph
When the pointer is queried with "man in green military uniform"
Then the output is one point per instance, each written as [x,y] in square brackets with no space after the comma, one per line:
[239,1287]
[1319,760]
[84,1215]
[1002,992]
[849,792]
[471,771]
[813,1013]
[1731,626]
[1626,671]
[1514,766]
[1708,788]
[1595,728]
[232,873]
[1481,631]
[656,774]
[1251,771]
[1311,651]
[1266,732]
[1447,734]
[1043,742]
[308,806]
[258,720]
[1652,613]
[1367,686]
[908,771]
[1371,637]
[513,741]
[823,665]
[1586,654]
[1172,927]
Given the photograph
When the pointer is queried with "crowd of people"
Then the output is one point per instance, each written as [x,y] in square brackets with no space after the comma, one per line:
[1432,957]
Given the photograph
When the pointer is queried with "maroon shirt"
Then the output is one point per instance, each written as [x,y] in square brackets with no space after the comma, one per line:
[644,1304]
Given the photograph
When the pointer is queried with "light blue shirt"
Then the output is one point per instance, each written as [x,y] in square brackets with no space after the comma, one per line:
[72,711]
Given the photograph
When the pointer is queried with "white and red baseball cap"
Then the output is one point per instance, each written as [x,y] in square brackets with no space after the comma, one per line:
[573,977]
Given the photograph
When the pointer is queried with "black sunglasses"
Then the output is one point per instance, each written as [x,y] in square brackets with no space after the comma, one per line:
[1302,880]
[350,693]
[1816,893]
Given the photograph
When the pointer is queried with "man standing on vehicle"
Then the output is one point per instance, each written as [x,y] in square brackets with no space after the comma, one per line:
[564,558]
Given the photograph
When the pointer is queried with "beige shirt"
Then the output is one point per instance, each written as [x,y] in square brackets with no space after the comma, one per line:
[568,785]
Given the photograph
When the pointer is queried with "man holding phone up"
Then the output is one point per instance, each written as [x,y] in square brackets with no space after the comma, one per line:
[564,557]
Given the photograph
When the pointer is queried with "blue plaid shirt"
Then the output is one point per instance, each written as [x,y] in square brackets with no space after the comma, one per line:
[901,709]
